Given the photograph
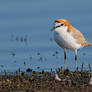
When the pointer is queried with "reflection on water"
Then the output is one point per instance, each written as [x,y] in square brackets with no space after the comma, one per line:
[25,37]
[20,38]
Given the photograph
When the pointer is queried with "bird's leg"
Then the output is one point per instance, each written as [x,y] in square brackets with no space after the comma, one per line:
[64,58]
[76,59]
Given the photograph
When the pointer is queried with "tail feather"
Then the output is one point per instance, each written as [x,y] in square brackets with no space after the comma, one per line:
[89,44]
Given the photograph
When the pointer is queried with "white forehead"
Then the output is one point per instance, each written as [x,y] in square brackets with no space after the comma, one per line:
[56,23]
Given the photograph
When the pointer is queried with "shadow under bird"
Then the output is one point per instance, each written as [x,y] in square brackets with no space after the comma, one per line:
[68,37]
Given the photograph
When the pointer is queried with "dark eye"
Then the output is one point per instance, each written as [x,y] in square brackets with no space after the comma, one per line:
[62,24]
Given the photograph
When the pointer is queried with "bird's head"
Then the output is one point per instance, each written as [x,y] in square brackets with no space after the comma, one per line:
[61,24]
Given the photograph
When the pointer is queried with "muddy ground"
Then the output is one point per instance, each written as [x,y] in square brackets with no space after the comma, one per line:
[33,81]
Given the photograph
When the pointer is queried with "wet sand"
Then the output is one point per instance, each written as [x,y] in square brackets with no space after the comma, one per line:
[33,81]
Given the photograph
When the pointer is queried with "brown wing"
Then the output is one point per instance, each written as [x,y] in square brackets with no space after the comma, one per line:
[78,36]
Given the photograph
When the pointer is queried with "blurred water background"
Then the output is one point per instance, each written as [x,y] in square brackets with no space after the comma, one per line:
[25,37]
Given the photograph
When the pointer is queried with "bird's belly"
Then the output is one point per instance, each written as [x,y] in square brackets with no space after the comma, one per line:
[66,41]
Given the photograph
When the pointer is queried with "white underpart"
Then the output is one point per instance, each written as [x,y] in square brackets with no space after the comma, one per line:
[65,39]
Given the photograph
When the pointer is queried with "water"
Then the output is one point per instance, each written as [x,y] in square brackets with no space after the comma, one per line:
[26,39]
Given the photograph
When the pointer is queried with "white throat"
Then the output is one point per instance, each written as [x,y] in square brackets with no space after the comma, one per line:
[61,29]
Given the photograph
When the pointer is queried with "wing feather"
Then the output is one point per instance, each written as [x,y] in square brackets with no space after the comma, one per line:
[78,36]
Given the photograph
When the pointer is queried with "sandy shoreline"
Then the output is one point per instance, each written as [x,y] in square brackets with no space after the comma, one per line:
[46,82]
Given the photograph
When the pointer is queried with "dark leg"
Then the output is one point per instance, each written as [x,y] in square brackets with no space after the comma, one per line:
[76,58]
[64,58]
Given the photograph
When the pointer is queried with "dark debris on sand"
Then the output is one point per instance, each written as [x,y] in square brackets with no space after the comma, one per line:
[45,82]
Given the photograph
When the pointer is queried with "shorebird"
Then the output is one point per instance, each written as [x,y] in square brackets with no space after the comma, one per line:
[68,37]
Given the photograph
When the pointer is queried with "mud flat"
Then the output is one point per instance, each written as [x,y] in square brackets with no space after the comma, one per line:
[33,81]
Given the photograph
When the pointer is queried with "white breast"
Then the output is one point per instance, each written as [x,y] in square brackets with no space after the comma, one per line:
[65,40]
